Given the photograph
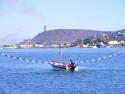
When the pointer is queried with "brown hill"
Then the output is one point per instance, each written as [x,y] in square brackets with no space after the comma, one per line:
[61,36]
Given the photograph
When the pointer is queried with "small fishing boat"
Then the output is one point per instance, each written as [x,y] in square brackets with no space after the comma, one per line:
[59,65]
[62,66]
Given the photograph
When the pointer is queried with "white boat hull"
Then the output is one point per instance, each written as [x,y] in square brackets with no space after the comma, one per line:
[61,66]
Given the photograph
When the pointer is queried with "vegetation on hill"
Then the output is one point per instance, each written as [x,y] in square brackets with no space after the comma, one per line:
[61,36]
[76,37]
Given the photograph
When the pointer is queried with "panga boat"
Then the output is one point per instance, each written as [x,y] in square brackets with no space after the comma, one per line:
[58,65]
[62,66]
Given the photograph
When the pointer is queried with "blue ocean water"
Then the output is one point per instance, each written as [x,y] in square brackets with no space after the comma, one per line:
[102,77]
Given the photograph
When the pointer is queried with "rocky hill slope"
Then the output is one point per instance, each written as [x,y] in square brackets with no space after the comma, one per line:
[61,36]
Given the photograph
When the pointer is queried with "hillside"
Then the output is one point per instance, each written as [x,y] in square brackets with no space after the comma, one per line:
[61,36]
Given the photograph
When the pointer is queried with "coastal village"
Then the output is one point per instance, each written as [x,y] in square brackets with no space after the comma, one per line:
[103,40]
[111,44]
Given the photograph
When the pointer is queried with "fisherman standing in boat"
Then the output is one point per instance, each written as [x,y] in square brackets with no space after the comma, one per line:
[72,65]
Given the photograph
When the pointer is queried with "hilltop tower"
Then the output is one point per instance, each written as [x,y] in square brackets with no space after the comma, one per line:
[45,28]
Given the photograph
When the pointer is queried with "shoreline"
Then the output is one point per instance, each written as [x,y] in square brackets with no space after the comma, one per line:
[62,48]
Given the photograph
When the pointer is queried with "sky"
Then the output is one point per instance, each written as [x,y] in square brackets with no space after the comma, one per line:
[23,19]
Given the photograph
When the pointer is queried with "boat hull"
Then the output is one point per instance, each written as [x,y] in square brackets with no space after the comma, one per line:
[62,66]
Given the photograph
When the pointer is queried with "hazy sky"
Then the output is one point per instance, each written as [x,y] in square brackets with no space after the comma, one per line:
[20,19]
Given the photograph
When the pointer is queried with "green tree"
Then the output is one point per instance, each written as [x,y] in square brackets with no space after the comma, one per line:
[87,41]
[101,39]
[79,41]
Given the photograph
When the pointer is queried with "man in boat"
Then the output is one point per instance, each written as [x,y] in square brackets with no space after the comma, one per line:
[72,65]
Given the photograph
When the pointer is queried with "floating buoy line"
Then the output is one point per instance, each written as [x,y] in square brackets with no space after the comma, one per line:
[103,58]
[85,61]
[21,59]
